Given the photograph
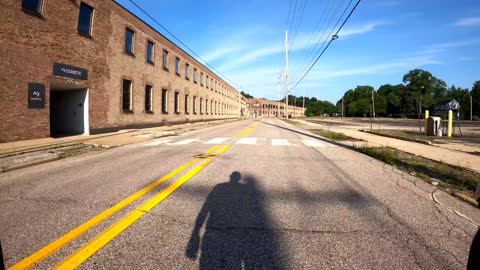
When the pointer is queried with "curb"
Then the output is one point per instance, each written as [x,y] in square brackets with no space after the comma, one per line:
[397,137]
[28,164]
[466,198]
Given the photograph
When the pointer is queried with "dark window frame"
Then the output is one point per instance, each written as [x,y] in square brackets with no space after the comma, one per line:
[176,107]
[186,104]
[195,75]
[187,71]
[177,66]
[90,23]
[165,60]
[132,42]
[152,60]
[130,96]
[37,11]
[149,94]
[165,101]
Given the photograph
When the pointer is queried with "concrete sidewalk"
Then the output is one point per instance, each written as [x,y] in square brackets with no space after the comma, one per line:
[444,155]
[112,139]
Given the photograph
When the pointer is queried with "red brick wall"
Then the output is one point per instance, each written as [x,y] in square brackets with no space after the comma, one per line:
[29,45]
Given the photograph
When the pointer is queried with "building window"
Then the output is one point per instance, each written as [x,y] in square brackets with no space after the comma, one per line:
[148,99]
[194,75]
[34,6]
[164,101]
[201,105]
[206,82]
[129,41]
[150,51]
[165,60]
[186,104]
[177,66]
[177,102]
[211,107]
[211,84]
[206,106]
[127,96]
[85,19]
[187,71]
[194,105]
[201,78]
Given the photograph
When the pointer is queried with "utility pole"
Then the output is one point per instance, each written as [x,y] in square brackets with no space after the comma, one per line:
[373,103]
[471,108]
[372,112]
[286,73]
[304,94]
[278,95]
[342,107]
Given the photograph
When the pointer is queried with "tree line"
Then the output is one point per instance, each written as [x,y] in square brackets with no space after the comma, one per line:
[420,91]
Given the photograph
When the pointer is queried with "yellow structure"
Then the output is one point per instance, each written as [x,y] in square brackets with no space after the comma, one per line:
[450,123]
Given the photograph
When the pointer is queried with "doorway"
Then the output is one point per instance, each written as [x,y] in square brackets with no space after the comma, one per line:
[68,112]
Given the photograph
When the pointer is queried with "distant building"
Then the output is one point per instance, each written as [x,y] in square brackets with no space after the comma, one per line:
[259,107]
[90,66]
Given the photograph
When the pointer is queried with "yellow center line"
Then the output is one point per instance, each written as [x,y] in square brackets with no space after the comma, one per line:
[48,250]
[97,243]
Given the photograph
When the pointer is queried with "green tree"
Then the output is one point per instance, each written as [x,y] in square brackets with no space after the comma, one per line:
[476,98]
[421,83]
[245,94]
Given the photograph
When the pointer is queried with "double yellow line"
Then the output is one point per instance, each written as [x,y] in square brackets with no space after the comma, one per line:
[110,233]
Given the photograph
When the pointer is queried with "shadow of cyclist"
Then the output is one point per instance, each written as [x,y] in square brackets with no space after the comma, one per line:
[238,233]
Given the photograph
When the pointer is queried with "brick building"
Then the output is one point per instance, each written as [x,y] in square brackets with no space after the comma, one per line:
[91,66]
[259,107]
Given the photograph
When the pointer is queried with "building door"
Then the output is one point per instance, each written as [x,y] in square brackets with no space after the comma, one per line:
[68,112]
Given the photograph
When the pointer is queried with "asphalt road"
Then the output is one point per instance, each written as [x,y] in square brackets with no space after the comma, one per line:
[271,197]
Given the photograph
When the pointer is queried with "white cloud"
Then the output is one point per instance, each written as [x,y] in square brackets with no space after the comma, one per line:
[470,21]
[440,47]
[303,41]
[360,29]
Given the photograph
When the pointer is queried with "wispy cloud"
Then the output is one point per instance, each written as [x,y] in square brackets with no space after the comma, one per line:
[303,41]
[440,47]
[361,29]
[469,21]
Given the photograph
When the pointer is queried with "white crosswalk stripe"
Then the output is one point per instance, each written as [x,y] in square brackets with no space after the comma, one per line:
[313,143]
[158,142]
[280,142]
[247,141]
[187,141]
[217,140]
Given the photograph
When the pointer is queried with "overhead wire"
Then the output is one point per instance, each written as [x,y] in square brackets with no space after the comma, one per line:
[185,45]
[334,37]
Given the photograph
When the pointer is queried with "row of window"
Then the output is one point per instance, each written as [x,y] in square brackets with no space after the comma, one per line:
[85,16]
[205,80]
[215,107]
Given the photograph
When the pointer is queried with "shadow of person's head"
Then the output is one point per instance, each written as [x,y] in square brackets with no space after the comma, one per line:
[235,177]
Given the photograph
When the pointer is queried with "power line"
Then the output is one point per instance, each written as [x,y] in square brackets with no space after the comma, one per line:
[316,38]
[185,45]
[334,37]
[315,52]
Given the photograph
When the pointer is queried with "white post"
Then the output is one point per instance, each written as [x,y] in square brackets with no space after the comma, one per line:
[286,73]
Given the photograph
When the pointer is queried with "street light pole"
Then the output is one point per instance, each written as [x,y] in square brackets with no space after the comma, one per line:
[286,73]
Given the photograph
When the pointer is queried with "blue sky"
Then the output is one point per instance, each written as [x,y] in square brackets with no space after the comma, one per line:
[382,41]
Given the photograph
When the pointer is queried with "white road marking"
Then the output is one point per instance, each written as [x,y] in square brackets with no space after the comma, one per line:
[157,142]
[187,141]
[313,143]
[247,141]
[280,142]
[217,140]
